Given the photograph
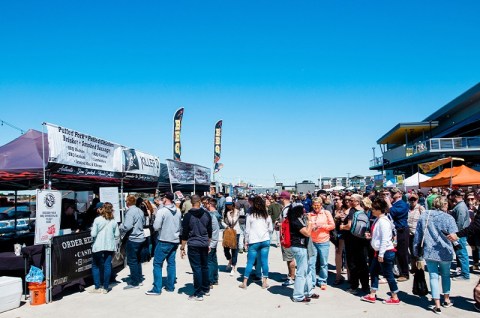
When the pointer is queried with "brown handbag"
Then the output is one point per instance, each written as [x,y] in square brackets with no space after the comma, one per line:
[230,236]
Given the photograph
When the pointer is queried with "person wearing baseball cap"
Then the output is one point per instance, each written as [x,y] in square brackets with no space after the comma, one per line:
[399,212]
[168,224]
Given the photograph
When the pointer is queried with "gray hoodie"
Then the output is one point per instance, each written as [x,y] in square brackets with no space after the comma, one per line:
[134,219]
[168,224]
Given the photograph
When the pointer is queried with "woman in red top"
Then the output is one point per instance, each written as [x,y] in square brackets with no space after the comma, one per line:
[322,224]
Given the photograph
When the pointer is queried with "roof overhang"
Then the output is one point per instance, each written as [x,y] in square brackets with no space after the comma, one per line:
[396,135]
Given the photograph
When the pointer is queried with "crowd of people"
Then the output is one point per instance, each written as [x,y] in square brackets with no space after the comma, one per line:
[379,237]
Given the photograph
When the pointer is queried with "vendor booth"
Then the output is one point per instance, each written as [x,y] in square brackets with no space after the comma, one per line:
[455,177]
[65,159]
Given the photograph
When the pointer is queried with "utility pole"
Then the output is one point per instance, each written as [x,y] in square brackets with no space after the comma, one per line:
[348,179]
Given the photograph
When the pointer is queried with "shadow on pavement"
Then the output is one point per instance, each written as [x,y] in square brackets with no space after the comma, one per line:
[275,276]
[463,303]
[187,289]
[280,290]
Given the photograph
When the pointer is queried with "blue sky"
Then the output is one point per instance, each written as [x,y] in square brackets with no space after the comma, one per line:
[305,88]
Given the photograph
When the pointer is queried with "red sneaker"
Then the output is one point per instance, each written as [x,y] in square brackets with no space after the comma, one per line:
[391,301]
[368,299]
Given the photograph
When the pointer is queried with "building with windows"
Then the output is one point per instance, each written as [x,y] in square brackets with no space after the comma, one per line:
[451,131]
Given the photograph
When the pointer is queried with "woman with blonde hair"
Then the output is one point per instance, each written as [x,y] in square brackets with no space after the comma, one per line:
[322,224]
[432,245]
[105,232]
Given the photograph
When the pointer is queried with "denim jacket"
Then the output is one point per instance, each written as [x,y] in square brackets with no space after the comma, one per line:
[436,246]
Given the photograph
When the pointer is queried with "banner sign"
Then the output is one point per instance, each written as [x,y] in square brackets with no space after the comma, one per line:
[378,180]
[187,173]
[72,152]
[217,147]
[49,210]
[110,194]
[140,166]
[400,178]
[180,172]
[202,175]
[177,127]
[217,167]
[429,166]
[72,257]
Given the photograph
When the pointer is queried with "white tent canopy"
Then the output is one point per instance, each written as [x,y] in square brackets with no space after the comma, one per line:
[388,184]
[414,180]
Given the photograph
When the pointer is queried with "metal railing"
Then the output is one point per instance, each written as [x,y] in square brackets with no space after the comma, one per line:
[436,145]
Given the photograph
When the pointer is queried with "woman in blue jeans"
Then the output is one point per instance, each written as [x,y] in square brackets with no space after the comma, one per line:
[381,241]
[300,231]
[104,232]
[437,249]
[258,228]
[322,224]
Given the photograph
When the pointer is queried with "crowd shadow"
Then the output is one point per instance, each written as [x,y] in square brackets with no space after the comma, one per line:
[187,289]
[463,303]
[280,290]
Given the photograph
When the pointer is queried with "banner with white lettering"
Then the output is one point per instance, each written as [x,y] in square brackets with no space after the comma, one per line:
[47,220]
[72,257]
[177,128]
[217,147]
[72,152]
[140,166]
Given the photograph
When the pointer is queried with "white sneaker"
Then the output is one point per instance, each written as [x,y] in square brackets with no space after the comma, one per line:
[232,272]
[396,272]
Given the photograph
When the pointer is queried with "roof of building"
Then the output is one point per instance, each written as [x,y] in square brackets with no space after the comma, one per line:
[396,135]
[415,129]
[470,96]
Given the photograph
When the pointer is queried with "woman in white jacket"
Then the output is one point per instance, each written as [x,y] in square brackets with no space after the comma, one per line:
[257,236]
[384,257]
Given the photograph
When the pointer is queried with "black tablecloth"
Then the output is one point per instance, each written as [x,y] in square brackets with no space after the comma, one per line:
[11,262]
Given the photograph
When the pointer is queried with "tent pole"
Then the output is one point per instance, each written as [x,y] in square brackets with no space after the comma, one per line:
[451,171]
[43,155]
[194,180]
[122,201]
[418,176]
[16,216]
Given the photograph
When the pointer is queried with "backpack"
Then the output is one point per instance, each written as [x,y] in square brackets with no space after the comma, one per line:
[285,234]
[394,231]
[360,224]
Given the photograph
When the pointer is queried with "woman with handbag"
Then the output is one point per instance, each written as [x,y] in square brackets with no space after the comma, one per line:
[258,228]
[430,243]
[104,232]
[231,236]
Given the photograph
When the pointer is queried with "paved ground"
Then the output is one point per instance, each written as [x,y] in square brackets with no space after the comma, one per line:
[227,300]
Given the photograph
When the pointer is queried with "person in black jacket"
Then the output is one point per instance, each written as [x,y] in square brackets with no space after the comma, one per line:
[197,233]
